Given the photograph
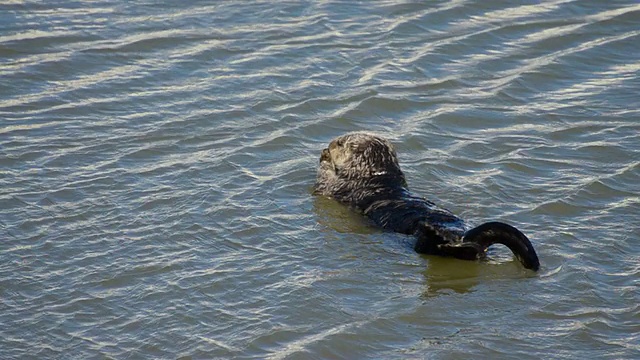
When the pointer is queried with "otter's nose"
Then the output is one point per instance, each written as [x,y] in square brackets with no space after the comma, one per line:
[325,155]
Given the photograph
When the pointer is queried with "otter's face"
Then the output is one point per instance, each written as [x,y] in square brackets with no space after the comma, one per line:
[354,159]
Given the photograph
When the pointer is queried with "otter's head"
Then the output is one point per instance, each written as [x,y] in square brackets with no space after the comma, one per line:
[357,160]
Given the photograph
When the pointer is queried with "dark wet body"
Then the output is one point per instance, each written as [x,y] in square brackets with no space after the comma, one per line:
[413,215]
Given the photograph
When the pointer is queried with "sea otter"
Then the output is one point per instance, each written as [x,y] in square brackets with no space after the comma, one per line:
[362,170]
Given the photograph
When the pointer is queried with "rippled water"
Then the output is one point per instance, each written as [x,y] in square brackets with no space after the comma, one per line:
[157,159]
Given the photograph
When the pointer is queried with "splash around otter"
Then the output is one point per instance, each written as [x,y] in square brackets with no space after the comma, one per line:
[362,171]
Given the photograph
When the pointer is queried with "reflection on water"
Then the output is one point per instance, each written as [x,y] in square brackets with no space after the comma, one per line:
[444,275]
[156,162]
[441,274]
[337,217]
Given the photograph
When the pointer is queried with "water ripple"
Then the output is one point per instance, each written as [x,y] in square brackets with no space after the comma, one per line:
[156,164]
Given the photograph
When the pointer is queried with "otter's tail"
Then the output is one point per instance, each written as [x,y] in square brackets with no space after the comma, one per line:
[476,241]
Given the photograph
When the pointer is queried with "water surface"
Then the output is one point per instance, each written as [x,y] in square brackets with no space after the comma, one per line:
[157,160]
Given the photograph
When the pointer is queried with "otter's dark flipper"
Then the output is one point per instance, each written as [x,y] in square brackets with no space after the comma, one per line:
[463,251]
[490,233]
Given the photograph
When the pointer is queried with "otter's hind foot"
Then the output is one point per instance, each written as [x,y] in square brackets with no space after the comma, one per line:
[464,251]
